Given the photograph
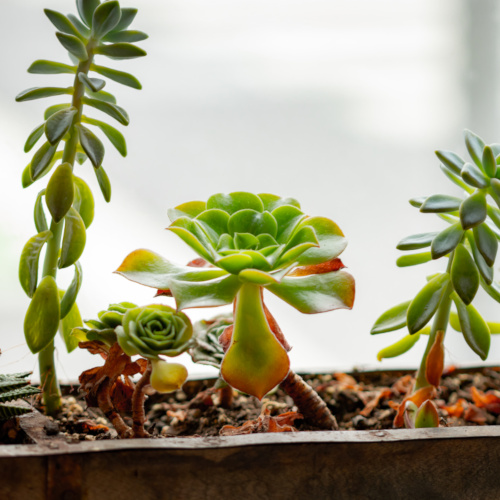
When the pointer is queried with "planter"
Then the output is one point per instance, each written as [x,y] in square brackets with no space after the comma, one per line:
[454,462]
[451,463]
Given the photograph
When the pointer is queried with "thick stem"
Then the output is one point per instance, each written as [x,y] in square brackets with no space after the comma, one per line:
[440,324]
[48,377]
[106,406]
[308,402]
[226,396]
[138,414]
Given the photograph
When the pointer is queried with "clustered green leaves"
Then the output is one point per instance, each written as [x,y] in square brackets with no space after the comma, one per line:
[469,243]
[101,29]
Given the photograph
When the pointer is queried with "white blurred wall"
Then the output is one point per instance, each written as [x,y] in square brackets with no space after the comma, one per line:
[339,104]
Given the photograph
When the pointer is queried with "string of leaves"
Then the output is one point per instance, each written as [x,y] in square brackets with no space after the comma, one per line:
[68,139]
[470,245]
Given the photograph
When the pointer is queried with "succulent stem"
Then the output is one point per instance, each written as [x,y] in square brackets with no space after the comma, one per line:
[48,377]
[138,414]
[226,396]
[308,402]
[106,406]
[440,324]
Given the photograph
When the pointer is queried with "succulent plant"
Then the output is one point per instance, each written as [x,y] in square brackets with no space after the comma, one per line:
[100,30]
[469,244]
[12,387]
[125,330]
[251,243]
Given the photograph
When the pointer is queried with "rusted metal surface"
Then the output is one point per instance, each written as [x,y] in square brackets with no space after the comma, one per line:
[447,463]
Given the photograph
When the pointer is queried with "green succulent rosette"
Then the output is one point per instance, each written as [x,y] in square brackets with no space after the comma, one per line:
[206,349]
[103,328]
[251,242]
[154,330]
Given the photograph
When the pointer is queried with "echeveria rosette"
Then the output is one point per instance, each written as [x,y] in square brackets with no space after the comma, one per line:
[252,242]
[153,331]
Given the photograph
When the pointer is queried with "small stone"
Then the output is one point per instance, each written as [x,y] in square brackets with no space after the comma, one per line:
[89,437]
[51,428]
[222,419]
[359,422]
[166,431]
[76,408]
[180,396]
[70,400]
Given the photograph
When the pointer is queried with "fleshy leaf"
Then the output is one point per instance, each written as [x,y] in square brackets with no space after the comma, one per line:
[116,112]
[73,239]
[317,293]
[41,92]
[464,274]
[485,270]
[60,191]
[120,50]
[83,201]
[475,146]
[150,269]
[331,241]
[393,319]
[287,218]
[272,201]
[104,184]
[42,317]
[473,176]
[86,10]
[105,18]
[233,202]
[215,292]
[32,139]
[44,67]
[489,162]
[59,124]
[439,203]
[414,259]
[426,302]
[42,160]
[473,210]
[474,329]
[486,242]
[73,45]
[92,84]
[91,145]
[253,222]
[192,234]
[416,241]
[39,214]
[427,416]
[190,209]
[68,299]
[72,319]
[256,361]
[400,347]
[115,136]
[451,160]
[117,76]
[446,241]
[129,36]
[28,265]
[434,363]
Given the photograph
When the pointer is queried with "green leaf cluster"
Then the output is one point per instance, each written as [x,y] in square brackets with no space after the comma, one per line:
[12,387]
[470,243]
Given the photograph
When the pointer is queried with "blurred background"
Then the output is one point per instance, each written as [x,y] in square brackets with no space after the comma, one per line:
[339,104]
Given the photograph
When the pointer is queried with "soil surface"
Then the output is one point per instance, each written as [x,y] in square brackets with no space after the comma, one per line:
[359,401]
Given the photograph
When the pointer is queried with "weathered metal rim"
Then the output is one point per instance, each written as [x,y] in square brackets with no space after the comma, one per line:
[305,437]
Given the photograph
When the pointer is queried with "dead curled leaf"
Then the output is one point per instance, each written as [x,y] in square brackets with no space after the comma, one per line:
[371,399]
[475,414]
[490,400]
[264,423]
[456,410]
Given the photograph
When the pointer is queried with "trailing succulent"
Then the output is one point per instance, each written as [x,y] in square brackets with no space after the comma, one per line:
[122,331]
[469,244]
[100,30]
[249,243]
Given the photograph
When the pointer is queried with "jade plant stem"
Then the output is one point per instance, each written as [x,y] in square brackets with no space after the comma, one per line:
[440,324]
[48,377]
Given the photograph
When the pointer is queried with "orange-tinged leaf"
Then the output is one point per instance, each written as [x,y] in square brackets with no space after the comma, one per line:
[490,400]
[418,397]
[373,400]
[325,267]
[435,360]
[476,415]
[456,410]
